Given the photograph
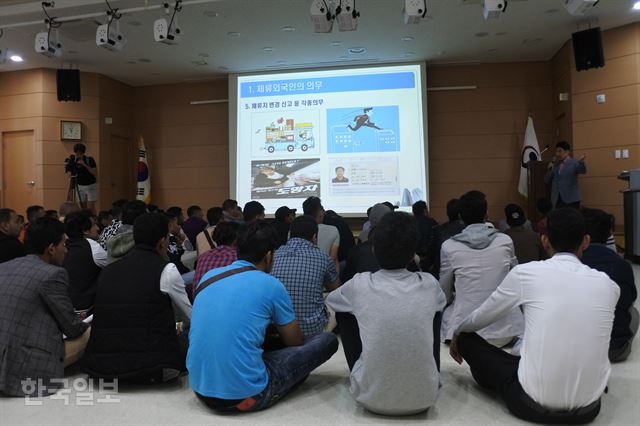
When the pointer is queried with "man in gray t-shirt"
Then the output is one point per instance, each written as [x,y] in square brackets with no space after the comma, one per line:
[328,236]
[395,371]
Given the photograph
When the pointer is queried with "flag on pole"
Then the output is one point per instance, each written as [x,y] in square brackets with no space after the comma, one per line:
[144,182]
[530,151]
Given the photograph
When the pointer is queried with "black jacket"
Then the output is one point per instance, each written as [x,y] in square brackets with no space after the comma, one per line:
[10,248]
[83,273]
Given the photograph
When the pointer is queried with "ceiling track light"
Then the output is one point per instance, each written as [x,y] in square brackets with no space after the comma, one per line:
[414,11]
[580,7]
[321,16]
[493,9]
[347,15]
[168,32]
[47,42]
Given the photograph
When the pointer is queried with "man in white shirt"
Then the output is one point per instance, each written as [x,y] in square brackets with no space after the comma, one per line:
[475,261]
[568,308]
[328,236]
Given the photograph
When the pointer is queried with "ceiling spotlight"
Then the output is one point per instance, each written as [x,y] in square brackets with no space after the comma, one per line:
[414,11]
[108,35]
[47,42]
[579,7]
[492,9]
[168,32]
[16,58]
[321,16]
[347,16]
[636,5]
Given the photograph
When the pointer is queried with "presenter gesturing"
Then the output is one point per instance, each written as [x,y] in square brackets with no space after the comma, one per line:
[563,176]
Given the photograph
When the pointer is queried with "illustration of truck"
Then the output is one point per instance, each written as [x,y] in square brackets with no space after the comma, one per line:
[286,134]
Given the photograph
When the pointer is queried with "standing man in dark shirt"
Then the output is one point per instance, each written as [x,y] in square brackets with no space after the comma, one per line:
[10,246]
[87,171]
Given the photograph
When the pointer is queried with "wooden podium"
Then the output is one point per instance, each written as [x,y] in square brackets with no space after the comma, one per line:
[537,188]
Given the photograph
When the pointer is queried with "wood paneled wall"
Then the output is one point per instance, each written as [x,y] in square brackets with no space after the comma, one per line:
[476,136]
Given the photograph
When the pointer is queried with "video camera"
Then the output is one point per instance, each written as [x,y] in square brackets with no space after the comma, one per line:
[71,164]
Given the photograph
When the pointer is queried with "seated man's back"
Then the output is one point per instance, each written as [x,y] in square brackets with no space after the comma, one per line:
[305,270]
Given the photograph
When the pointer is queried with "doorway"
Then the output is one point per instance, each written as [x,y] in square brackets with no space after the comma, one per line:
[18,171]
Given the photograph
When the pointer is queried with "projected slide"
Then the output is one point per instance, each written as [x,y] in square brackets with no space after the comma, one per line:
[353,137]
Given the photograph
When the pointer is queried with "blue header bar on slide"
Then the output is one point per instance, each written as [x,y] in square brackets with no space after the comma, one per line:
[350,83]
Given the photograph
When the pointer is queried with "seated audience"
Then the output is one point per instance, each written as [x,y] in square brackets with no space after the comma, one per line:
[33,214]
[365,228]
[67,208]
[134,332]
[195,224]
[394,372]
[242,301]
[253,211]
[10,227]
[525,241]
[306,271]
[475,262]
[282,223]
[442,233]
[53,214]
[563,367]
[104,219]
[84,260]
[598,256]
[328,236]
[231,212]
[544,206]
[122,241]
[611,240]
[110,230]
[347,242]
[175,248]
[204,240]
[36,311]
[225,253]
[426,233]
[361,257]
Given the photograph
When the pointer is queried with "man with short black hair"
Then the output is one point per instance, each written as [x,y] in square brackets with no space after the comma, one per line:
[225,253]
[328,236]
[36,311]
[87,172]
[84,260]
[475,262]
[204,240]
[442,233]
[134,330]
[391,349]
[563,176]
[283,218]
[253,211]
[231,212]
[116,213]
[195,224]
[598,256]
[563,367]
[242,300]
[306,271]
[33,213]
[10,245]
[425,229]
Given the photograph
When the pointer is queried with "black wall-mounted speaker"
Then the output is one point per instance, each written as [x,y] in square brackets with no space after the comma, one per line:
[588,50]
[68,84]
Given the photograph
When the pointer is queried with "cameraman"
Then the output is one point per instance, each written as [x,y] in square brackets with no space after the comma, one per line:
[86,172]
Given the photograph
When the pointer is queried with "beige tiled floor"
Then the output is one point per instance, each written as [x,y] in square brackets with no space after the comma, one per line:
[323,399]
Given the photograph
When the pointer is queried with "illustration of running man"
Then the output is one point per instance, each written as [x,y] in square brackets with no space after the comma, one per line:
[363,120]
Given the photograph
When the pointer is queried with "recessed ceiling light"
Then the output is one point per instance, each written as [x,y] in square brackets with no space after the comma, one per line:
[636,5]
[409,54]
[336,43]
[144,60]
[16,58]
[501,33]
[203,55]
[268,49]
[407,38]
[210,13]
[481,34]
[134,23]
[233,34]
[343,58]
[288,29]
[357,50]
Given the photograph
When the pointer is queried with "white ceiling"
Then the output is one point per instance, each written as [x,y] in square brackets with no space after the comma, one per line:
[455,31]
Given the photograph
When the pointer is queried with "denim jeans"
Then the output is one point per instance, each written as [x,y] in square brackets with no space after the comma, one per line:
[290,366]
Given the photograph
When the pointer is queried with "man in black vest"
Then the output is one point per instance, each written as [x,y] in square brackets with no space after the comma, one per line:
[134,327]
[10,246]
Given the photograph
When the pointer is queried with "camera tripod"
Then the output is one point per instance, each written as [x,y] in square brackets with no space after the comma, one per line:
[74,192]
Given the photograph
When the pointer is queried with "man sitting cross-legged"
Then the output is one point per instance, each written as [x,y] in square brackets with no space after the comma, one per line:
[394,371]
[306,271]
[568,309]
[233,306]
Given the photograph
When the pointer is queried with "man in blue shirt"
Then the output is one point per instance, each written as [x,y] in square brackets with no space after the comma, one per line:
[233,307]
[305,270]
